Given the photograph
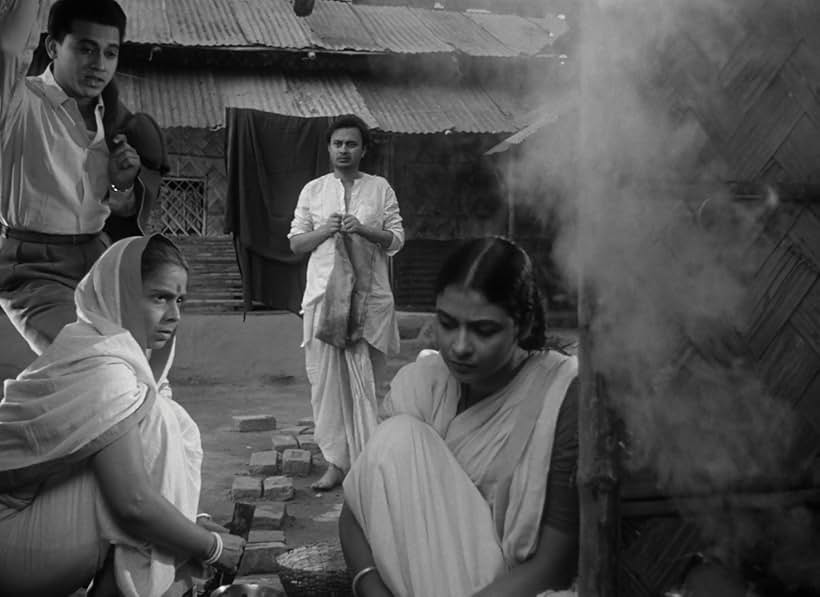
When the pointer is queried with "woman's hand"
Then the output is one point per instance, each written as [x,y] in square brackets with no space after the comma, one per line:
[372,585]
[233,547]
[209,525]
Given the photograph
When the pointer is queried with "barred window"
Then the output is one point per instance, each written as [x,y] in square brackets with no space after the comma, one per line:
[182,206]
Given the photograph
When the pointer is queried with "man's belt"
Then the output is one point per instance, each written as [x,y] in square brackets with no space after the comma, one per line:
[29,236]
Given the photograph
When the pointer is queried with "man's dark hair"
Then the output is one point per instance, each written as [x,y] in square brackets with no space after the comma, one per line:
[63,13]
[350,121]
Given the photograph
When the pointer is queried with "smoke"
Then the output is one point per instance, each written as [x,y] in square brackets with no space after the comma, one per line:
[646,221]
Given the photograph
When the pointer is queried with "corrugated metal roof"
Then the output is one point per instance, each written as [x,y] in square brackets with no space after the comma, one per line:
[198,99]
[551,111]
[147,22]
[334,26]
[304,96]
[554,24]
[204,23]
[462,33]
[520,34]
[412,107]
[273,23]
[398,29]
[339,28]
[182,98]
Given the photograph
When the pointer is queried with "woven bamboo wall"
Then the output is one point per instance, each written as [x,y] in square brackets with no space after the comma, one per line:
[750,84]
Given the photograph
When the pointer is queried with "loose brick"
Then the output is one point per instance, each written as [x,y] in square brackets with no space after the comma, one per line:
[284,441]
[296,462]
[254,423]
[246,488]
[292,430]
[261,557]
[306,422]
[270,516]
[257,536]
[264,463]
[278,488]
[308,442]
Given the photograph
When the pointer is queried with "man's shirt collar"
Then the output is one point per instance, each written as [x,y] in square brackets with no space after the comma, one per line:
[56,95]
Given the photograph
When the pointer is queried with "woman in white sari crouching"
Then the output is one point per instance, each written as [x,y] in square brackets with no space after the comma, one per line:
[467,489]
[99,467]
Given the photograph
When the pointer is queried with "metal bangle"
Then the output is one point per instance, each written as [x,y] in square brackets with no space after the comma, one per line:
[216,550]
[358,577]
[116,189]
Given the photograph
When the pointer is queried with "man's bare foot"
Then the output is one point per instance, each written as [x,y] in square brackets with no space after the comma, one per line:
[333,477]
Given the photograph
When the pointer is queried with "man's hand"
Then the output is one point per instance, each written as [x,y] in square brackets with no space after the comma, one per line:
[123,163]
[333,224]
[351,225]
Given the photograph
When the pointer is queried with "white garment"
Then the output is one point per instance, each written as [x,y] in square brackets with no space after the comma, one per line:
[53,175]
[374,203]
[88,388]
[429,528]
[343,383]
[343,393]
[449,501]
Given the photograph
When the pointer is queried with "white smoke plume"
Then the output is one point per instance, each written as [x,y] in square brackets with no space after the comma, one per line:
[646,220]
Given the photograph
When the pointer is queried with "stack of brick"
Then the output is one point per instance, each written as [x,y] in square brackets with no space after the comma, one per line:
[269,484]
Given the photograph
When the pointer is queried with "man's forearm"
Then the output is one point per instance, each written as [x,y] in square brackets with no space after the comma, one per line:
[17,20]
[124,203]
[383,238]
[307,241]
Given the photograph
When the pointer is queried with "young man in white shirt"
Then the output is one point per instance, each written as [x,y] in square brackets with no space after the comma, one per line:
[344,380]
[66,164]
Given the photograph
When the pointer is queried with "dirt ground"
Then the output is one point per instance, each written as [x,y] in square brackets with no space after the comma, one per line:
[312,516]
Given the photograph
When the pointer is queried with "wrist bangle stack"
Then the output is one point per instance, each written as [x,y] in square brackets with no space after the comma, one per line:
[216,550]
[358,577]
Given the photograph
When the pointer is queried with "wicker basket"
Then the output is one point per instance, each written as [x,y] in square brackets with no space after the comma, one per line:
[315,570]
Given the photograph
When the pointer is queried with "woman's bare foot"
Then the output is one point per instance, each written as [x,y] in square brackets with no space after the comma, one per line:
[333,477]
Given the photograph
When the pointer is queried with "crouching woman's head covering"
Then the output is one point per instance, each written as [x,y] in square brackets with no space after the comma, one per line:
[89,387]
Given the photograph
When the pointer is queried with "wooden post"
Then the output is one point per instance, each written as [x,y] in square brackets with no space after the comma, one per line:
[597,465]
[509,169]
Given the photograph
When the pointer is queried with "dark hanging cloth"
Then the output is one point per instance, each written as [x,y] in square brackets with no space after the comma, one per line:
[270,158]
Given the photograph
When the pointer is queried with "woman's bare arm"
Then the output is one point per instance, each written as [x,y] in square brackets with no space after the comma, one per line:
[144,513]
[359,556]
[552,567]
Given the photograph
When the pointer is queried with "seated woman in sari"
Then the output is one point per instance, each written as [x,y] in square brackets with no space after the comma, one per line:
[99,467]
[468,487]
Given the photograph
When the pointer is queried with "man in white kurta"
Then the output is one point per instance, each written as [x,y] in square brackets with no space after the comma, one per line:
[344,381]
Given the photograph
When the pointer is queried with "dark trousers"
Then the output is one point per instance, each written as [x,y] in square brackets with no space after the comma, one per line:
[37,282]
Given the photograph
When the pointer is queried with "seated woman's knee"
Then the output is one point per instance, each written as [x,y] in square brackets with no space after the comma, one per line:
[399,437]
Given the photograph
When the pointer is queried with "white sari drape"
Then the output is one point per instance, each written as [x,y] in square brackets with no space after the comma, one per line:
[91,386]
[449,502]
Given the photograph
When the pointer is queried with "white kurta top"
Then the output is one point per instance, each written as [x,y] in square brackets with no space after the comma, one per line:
[373,202]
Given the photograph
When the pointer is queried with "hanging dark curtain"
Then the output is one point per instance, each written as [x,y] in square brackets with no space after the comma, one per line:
[269,158]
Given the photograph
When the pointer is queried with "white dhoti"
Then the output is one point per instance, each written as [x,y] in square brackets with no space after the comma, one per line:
[343,393]
[398,490]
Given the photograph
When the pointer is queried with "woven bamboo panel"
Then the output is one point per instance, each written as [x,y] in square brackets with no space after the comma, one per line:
[754,91]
